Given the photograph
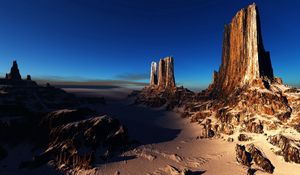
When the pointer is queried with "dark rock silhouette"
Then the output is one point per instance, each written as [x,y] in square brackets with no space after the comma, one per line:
[244,58]
[60,123]
[28,77]
[14,72]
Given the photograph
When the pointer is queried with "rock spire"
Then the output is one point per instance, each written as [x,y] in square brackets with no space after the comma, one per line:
[153,74]
[164,74]
[244,58]
[14,72]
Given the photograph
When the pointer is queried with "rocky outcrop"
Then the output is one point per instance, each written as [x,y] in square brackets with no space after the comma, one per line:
[77,145]
[64,116]
[289,148]
[244,58]
[245,155]
[260,159]
[153,74]
[155,97]
[242,156]
[14,72]
[163,76]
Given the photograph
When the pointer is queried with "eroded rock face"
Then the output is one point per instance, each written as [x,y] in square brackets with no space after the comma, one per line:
[14,72]
[244,58]
[166,79]
[77,145]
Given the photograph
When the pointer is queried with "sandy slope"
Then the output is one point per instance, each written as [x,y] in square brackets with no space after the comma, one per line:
[166,141]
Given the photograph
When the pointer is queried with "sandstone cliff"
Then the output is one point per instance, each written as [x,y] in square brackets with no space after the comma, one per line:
[244,58]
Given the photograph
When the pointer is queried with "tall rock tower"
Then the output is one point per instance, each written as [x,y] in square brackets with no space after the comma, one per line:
[153,74]
[244,58]
[163,76]
[166,79]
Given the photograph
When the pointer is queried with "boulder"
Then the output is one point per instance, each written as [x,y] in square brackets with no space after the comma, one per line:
[242,156]
[244,137]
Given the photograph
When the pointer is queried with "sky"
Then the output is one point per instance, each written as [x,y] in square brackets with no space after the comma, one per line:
[112,40]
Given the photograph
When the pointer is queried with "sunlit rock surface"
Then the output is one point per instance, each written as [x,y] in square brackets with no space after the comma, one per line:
[244,58]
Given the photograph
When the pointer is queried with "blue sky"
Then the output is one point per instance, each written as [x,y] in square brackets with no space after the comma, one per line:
[117,39]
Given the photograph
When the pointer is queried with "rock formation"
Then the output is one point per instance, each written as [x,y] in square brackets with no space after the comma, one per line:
[289,148]
[245,155]
[162,87]
[244,58]
[153,74]
[14,72]
[163,76]
[166,79]
[78,144]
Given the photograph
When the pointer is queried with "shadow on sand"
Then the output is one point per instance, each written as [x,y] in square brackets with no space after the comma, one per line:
[142,122]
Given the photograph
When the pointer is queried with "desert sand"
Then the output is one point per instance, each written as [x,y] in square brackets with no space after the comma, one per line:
[168,144]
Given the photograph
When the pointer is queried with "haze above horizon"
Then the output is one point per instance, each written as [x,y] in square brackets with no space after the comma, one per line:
[116,40]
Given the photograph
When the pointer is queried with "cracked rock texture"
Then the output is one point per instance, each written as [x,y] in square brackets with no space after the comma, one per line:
[244,58]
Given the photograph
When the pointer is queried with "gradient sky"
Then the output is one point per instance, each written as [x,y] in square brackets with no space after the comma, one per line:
[117,39]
